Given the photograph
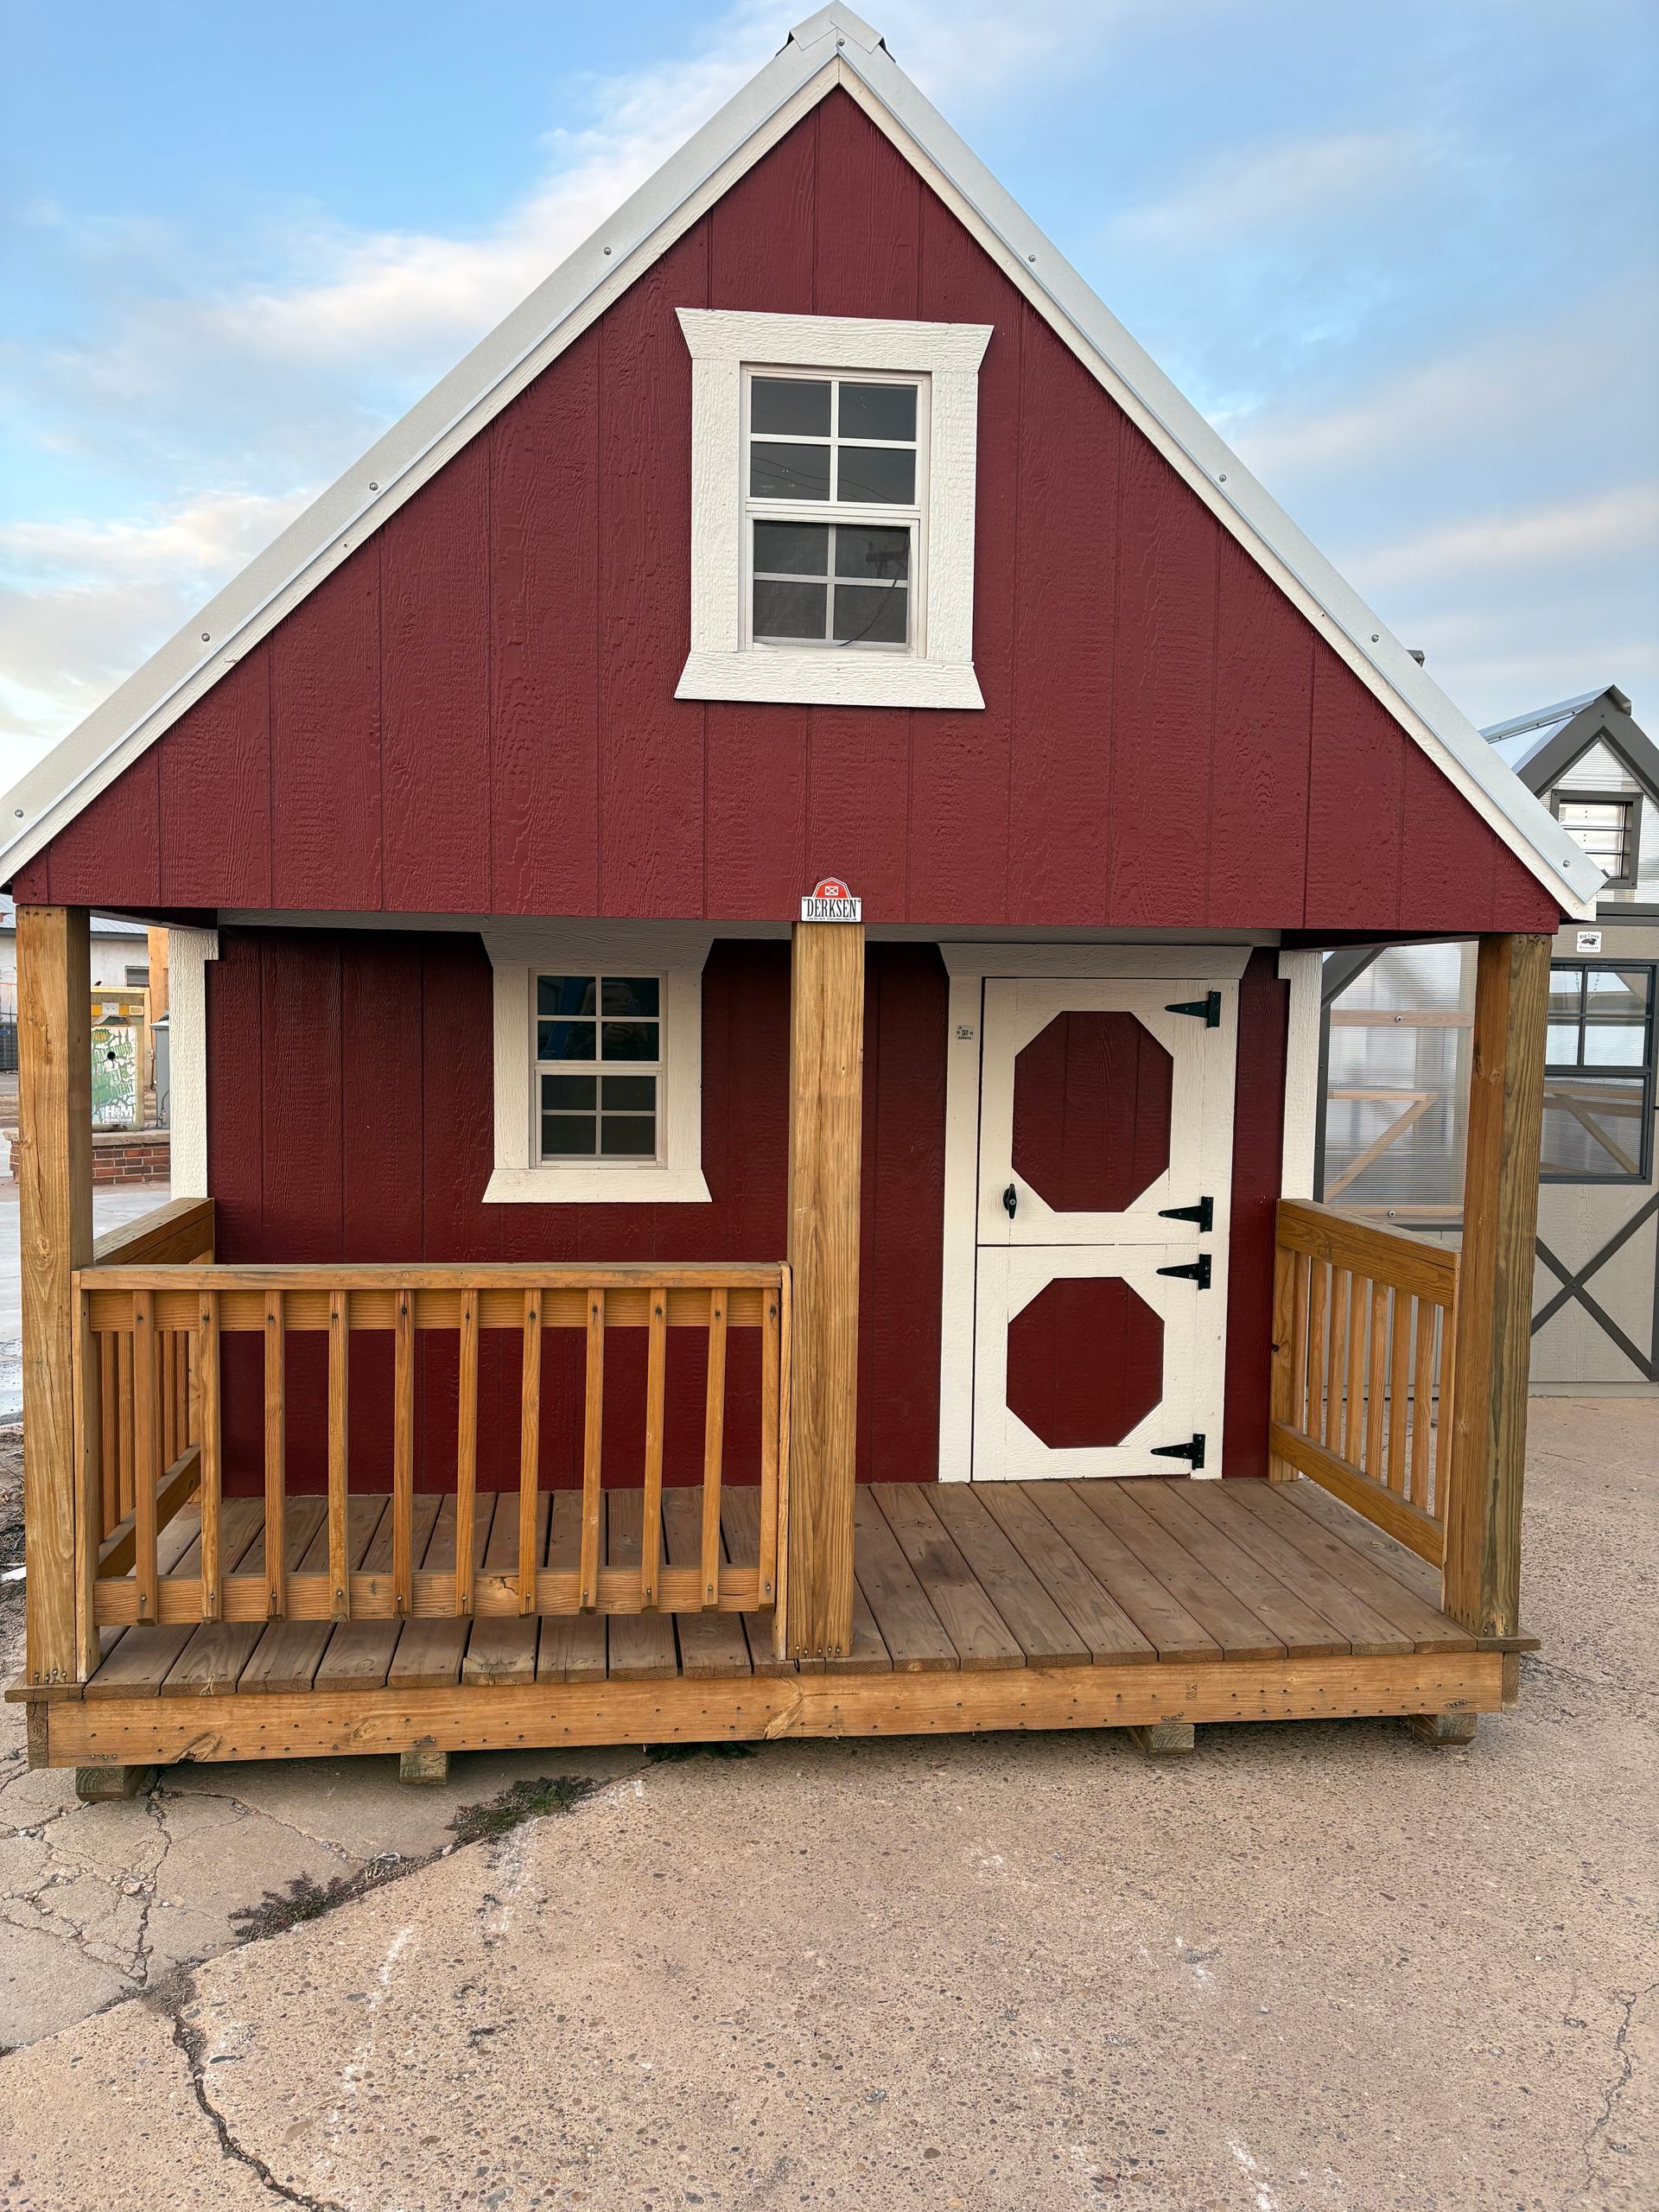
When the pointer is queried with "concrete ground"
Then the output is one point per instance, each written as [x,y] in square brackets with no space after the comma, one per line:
[1314,1966]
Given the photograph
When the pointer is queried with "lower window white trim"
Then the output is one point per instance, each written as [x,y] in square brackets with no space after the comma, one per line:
[519,952]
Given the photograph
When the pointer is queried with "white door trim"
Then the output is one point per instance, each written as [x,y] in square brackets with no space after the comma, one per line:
[969,966]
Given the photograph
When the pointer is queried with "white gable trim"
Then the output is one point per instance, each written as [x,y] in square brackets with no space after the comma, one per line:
[834,47]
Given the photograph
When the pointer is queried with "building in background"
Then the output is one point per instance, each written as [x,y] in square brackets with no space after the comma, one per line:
[1396,1063]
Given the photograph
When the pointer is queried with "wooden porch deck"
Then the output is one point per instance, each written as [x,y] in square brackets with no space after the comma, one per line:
[1035,1605]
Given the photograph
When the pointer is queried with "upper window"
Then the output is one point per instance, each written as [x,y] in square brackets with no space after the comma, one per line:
[1599,1074]
[1608,827]
[848,449]
[832,524]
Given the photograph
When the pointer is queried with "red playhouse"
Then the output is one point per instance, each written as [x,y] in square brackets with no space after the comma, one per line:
[748,896]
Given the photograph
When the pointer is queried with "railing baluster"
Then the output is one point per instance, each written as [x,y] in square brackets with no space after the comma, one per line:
[1341,1286]
[124,1420]
[1354,1409]
[210,1439]
[714,1447]
[592,1448]
[340,1371]
[1302,1294]
[108,1449]
[529,1452]
[651,1532]
[1399,1373]
[1422,1401]
[164,1347]
[403,1456]
[1319,1284]
[769,1443]
[1375,1371]
[1443,1418]
[276,1458]
[467,1451]
[146,1450]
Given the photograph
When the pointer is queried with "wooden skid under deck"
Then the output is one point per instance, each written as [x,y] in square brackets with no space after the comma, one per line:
[1020,1606]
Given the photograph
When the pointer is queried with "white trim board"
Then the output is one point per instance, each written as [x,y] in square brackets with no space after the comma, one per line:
[188,952]
[1302,971]
[833,47]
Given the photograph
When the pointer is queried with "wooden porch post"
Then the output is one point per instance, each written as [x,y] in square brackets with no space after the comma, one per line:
[1482,1581]
[826,1062]
[54,1113]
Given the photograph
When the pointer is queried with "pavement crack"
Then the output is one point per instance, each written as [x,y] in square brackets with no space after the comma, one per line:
[192,2046]
[1624,2067]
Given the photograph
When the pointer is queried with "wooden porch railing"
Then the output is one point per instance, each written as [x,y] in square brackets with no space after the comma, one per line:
[1363,1331]
[155,1409]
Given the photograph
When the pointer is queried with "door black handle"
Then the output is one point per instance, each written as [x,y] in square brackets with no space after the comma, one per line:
[1011,1200]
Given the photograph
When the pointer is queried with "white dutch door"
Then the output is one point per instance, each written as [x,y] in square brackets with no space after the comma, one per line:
[1105,1161]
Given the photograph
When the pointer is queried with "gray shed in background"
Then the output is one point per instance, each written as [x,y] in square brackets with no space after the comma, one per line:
[1396,1063]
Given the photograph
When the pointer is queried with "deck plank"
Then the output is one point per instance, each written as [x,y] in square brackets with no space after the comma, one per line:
[288,1654]
[641,1644]
[358,1652]
[138,1660]
[1370,1635]
[1283,1611]
[573,1644]
[431,1648]
[915,1639]
[502,1646]
[1429,1629]
[711,1644]
[1046,1635]
[1108,1633]
[740,1522]
[1358,1534]
[1240,1633]
[983,1639]
[215,1653]
[1173,1632]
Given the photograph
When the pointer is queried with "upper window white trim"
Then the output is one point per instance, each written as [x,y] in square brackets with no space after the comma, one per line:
[675,953]
[935,668]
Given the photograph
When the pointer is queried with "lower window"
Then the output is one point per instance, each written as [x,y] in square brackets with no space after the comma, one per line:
[597,1063]
[1599,1074]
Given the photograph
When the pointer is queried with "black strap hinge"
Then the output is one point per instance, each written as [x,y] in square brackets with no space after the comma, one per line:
[1193,1453]
[1203,1213]
[1206,1009]
[1196,1271]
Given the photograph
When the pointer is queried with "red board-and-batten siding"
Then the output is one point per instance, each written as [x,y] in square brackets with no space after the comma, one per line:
[475,713]
[350,1118]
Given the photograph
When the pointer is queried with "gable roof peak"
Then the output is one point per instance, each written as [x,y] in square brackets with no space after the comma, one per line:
[841,23]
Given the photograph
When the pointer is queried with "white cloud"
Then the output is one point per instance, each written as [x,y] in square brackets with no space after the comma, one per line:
[1604,526]
[1304,179]
[82,603]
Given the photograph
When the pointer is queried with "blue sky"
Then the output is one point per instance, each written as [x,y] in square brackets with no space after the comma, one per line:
[1405,257]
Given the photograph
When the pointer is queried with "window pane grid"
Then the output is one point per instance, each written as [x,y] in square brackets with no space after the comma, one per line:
[830,443]
[598,1066]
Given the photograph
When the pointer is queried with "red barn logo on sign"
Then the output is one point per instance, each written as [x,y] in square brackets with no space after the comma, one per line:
[831,902]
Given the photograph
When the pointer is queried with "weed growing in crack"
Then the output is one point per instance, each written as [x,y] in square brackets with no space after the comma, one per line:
[521,1801]
[307,1900]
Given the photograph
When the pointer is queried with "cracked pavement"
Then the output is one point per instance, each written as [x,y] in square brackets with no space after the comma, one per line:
[1312,1968]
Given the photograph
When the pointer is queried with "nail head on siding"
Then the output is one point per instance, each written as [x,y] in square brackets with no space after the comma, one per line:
[206,637]
[1222,478]
[374,487]
[608,250]
[1377,637]
[1031,257]
[18,811]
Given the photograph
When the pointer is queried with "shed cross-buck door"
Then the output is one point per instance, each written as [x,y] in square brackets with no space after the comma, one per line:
[1105,1155]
